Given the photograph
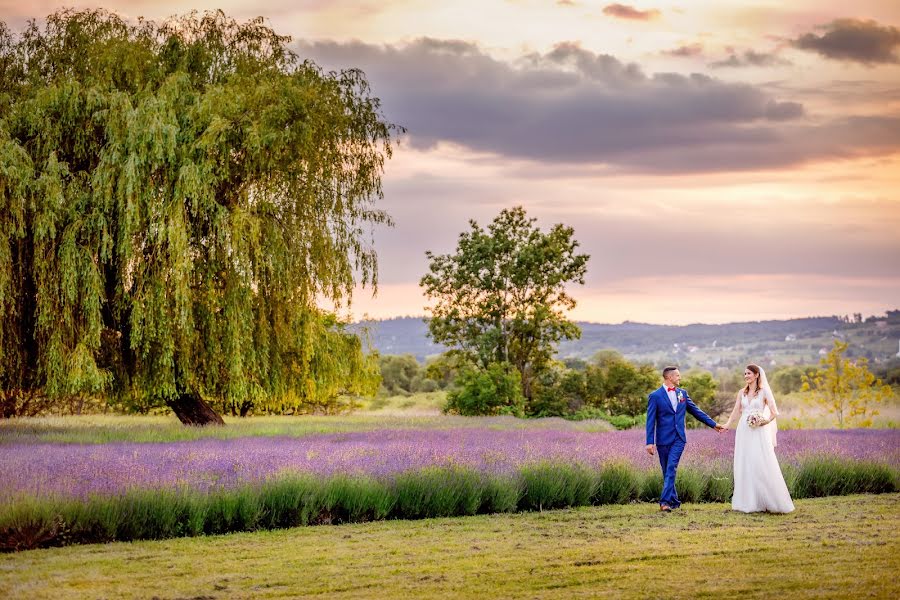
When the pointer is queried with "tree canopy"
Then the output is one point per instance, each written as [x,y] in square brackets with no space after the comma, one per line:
[174,200]
[846,388]
[501,297]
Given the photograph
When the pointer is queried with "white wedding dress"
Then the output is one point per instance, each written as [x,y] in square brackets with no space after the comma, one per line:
[758,482]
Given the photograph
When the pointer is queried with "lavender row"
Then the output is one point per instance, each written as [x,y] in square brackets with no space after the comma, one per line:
[71,470]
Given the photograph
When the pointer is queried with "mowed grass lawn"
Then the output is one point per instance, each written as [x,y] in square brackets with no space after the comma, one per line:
[830,547]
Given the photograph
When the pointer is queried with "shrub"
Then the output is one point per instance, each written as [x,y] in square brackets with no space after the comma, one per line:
[617,483]
[437,492]
[818,477]
[549,485]
[719,487]
[496,390]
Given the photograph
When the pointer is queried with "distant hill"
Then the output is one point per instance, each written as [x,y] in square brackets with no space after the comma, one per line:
[793,341]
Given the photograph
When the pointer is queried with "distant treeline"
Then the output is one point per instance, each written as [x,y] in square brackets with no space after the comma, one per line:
[606,386]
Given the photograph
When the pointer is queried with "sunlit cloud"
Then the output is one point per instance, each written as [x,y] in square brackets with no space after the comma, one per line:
[623,11]
[573,106]
[855,40]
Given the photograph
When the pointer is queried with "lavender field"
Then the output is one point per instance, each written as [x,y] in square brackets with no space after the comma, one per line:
[70,481]
[38,469]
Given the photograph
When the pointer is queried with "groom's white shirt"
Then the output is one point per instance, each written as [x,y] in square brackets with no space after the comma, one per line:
[673,399]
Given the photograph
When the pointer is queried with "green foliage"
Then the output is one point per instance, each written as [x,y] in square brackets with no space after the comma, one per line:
[437,492]
[398,373]
[627,421]
[550,485]
[847,388]
[702,388]
[557,392]
[691,485]
[617,484]
[619,386]
[402,375]
[822,476]
[444,368]
[501,297]
[495,390]
[433,492]
[174,198]
[790,379]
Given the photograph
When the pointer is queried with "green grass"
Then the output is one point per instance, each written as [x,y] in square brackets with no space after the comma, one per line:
[800,411]
[101,429]
[421,403]
[828,548]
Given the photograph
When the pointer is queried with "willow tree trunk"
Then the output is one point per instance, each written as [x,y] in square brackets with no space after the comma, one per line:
[191,409]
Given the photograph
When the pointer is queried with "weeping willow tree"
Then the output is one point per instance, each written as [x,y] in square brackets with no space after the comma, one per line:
[175,198]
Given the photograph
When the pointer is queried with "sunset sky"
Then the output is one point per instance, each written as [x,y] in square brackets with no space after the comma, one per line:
[719,161]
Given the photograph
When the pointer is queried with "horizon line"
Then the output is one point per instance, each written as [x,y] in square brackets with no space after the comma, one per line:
[630,322]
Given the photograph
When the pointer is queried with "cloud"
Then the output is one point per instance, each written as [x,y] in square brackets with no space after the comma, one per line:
[623,11]
[573,106]
[685,50]
[751,58]
[854,40]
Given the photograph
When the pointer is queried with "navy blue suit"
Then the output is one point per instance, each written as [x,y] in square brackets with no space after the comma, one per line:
[665,428]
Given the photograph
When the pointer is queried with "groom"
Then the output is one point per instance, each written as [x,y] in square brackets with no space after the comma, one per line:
[665,417]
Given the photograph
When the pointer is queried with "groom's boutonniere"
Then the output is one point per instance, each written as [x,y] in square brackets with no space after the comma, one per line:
[680,396]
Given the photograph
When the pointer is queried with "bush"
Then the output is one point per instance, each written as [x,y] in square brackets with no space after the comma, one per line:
[549,485]
[627,386]
[617,484]
[496,390]
[627,422]
[818,477]
[589,412]
[557,392]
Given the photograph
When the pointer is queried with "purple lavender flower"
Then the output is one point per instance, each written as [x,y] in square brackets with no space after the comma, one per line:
[73,470]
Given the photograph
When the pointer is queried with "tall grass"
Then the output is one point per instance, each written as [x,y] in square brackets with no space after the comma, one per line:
[103,429]
[433,492]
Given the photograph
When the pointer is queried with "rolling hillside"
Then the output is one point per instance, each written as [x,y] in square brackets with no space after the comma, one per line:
[794,341]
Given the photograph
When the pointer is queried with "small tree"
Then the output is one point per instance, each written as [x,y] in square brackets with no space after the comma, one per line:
[558,392]
[398,372]
[501,297]
[494,390]
[627,387]
[847,388]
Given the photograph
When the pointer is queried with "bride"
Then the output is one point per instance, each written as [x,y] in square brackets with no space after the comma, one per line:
[758,482]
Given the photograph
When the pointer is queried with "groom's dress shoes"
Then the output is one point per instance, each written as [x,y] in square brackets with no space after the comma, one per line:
[665,508]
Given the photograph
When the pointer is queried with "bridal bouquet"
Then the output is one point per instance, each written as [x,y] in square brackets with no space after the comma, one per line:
[755,419]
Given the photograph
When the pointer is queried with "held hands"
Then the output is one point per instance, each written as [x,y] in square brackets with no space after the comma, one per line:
[651,449]
[721,428]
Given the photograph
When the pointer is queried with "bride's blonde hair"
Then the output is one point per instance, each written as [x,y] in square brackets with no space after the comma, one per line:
[755,370]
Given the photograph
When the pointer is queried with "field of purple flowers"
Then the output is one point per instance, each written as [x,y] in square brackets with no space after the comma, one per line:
[56,492]
[208,465]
